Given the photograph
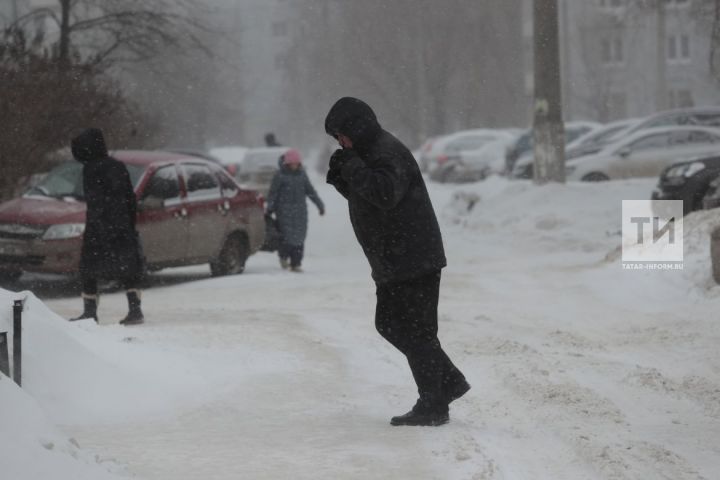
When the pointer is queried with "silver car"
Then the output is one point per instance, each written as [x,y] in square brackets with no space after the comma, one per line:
[645,153]
[259,166]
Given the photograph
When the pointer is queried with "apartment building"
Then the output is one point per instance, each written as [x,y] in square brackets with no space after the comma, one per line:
[10,10]
[623,58]
[263,28]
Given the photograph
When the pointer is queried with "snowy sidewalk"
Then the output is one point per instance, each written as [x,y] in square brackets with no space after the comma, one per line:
[579,369]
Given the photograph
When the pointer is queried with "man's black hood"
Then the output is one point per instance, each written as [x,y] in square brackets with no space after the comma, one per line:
[354,119]
[89,146]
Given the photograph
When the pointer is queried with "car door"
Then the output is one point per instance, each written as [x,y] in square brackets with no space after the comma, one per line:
[162,218]
[243,210]
[207,219]
[640,158]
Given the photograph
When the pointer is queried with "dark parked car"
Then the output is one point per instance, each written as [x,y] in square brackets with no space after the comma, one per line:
[689,181]
[190,211]
[711,199]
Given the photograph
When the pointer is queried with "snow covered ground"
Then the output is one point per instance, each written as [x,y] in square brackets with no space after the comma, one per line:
[580,370]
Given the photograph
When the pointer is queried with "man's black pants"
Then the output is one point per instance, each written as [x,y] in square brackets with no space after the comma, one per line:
[406,316]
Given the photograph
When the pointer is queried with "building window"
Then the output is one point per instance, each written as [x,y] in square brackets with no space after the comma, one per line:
[279,29]
[618,54]
[280,61]
[617,105]
[677,3]
[684,46]
[680,98]
[672,48]
[612,3]
[612,51]
[678,48]
[606,53]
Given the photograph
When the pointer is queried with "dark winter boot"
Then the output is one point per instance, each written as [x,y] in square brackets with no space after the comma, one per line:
[90,303]
[135,315]
[423,415]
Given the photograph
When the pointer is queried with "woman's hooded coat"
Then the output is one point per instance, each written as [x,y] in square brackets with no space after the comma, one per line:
[111,246]
[286,199]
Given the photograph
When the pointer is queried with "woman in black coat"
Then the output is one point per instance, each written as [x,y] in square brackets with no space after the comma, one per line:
[111,245]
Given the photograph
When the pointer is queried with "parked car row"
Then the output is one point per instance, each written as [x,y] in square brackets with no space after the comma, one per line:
[468,155]
[681,147]
[587,157]
[593,151]
[190,211]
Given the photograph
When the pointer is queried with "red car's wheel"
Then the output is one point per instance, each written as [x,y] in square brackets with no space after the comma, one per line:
[232,258]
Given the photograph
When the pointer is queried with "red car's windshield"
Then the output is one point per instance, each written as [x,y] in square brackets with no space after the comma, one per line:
[65,180]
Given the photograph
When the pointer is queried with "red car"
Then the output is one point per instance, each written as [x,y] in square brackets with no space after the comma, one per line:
[190,211]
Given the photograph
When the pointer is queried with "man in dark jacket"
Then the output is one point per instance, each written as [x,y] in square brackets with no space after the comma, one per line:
[111,246]
[395,224]
[271,141]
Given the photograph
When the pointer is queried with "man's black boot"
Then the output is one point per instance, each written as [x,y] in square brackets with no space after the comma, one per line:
[90,303]
[423,415]
[135,315]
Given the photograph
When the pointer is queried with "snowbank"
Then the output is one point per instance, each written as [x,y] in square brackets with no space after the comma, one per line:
[30,448]
[578,223]
[558,219]
[87,375]
[610,373]
[83,373]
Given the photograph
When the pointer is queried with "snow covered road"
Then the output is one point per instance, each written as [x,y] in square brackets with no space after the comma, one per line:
[580,370]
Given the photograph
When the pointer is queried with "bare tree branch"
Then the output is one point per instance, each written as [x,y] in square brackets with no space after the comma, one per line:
[110,31]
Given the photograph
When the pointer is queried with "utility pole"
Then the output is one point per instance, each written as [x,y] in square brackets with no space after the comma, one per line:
[64,43]
[549,135]
[15,13]
[715,42]
[421,90]
[565,65]
[661,52]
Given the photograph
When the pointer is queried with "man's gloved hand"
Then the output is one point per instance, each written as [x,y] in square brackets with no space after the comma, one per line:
[338,158]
